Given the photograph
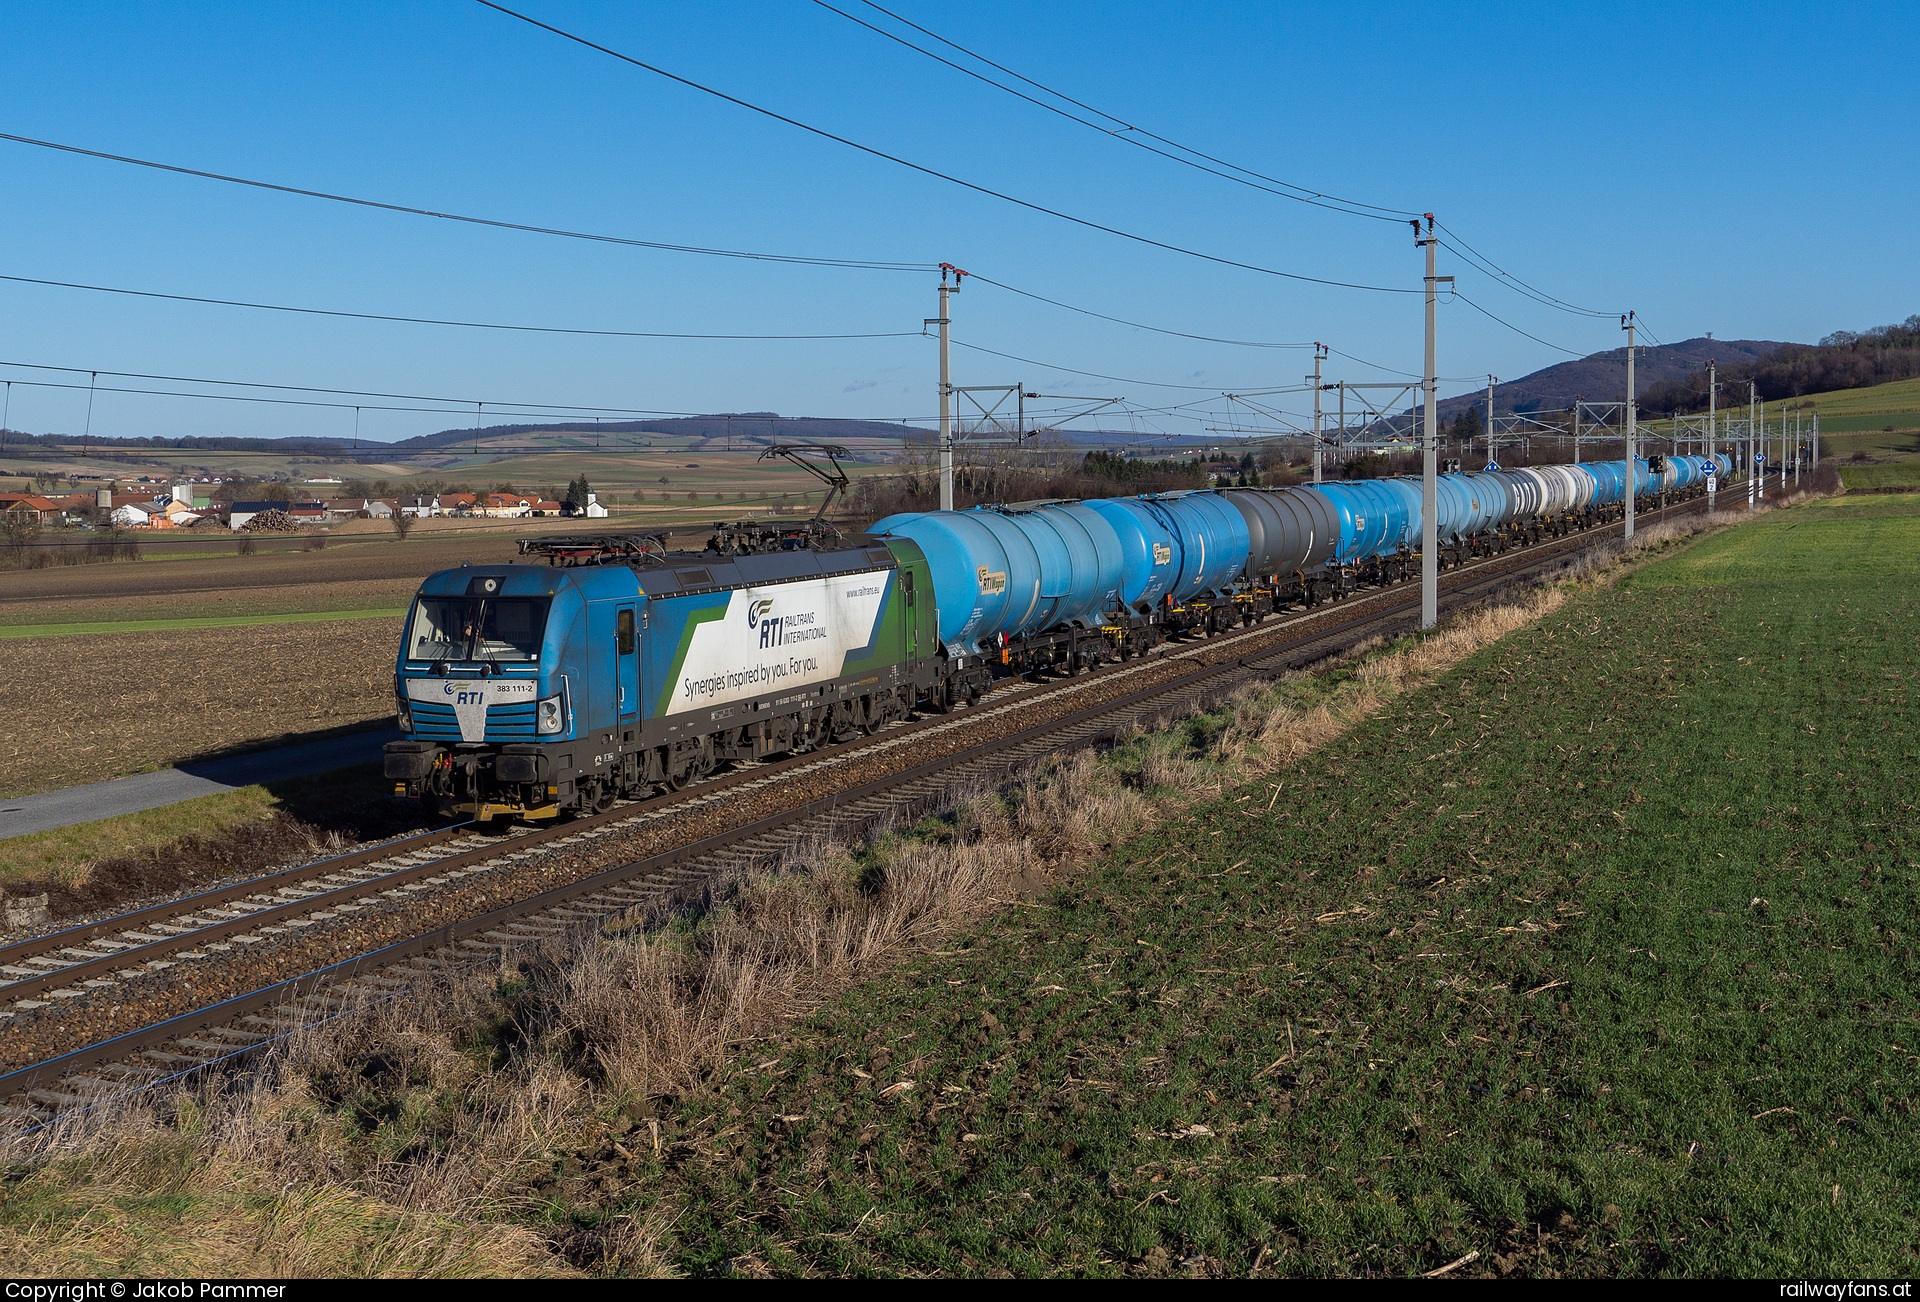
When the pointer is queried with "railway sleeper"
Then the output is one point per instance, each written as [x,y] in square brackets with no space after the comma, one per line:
[212,1049]
[235,1034]
[131,1070]
[60,1102]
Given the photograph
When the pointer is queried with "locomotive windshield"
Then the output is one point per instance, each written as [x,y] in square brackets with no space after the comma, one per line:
[477,628]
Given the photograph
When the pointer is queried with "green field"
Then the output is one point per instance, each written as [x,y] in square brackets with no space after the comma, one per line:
[1882,421]
[1882,477]
[1597,957]
[1897,404]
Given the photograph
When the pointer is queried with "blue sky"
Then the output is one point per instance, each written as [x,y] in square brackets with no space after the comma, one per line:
[1735,169]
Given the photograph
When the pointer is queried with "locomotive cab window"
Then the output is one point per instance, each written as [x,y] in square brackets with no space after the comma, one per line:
[497,629]
[623,632]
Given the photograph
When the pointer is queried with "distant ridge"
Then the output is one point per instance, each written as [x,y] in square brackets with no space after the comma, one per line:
[1602,377]
[759,428]
[746,427]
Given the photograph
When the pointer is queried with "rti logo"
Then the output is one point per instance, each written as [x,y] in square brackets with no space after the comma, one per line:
[757,610]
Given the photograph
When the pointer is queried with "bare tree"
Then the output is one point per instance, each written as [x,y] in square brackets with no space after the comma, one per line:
[19,528]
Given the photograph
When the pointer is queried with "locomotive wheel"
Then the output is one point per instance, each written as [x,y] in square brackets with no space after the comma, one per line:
[602,796]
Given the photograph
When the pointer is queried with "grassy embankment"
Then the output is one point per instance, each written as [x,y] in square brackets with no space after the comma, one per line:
[208,837]
[1597,957]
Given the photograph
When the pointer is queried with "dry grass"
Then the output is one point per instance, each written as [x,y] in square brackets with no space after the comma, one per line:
[68,855]
[501,1097]
[153,1204]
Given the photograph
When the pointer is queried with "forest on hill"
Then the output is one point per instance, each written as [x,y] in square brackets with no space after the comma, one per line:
[1842,360]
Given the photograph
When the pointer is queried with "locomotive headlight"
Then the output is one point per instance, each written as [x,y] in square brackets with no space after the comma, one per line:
[552,716]
[404,714]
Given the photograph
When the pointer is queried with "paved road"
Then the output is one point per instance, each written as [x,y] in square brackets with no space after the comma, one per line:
[63,808]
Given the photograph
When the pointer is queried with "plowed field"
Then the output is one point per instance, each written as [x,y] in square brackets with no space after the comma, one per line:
[83,709]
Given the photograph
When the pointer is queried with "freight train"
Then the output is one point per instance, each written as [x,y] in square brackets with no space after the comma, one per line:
[618,669]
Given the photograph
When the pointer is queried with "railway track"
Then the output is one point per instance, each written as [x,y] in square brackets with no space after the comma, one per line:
[124,1003]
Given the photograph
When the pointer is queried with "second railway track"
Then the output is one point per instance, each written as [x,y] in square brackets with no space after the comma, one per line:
[122,1003]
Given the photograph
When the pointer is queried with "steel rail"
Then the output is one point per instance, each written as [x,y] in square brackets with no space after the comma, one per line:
[99,933]
[1012,751]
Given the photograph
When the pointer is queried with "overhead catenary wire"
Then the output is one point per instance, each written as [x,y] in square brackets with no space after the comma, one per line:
[550,412]
[438,321]
[1304,194]
[526,228]
[1136,325]
[555,407]
[1484,264]
[571,424]
[1127,132]
[1117,379]
[1127,135]
[621,334]
[782,258]
[1516,329]
[924,170]
[466,409]
[859,264]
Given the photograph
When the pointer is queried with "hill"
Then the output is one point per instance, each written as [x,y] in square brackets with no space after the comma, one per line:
[750,427]
[1602,377]
[747,430]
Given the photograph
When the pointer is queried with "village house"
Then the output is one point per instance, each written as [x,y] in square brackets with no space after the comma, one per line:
[44,510]
[504,506]
[170,513]
[592,510]
[359,508]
